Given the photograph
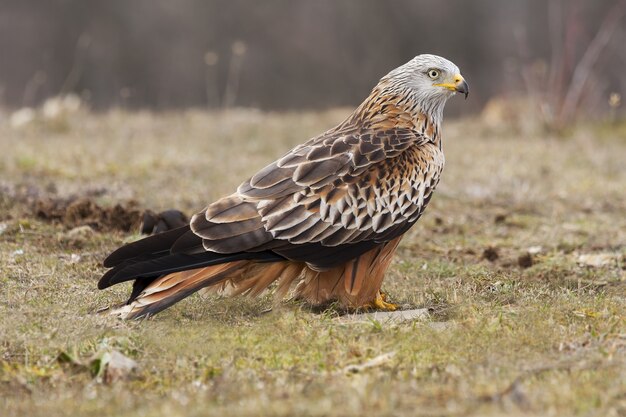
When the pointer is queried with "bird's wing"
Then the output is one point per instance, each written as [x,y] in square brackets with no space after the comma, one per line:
[339,189]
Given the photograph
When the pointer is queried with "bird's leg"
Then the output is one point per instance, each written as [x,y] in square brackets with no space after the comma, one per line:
[379,303]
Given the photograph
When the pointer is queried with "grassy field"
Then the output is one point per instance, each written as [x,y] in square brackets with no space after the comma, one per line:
[520,261]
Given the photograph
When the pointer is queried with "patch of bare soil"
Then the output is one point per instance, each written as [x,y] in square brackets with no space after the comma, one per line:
[84,211]
[81,209]
[123,217]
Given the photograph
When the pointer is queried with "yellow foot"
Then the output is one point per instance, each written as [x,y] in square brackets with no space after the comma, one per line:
[379,303]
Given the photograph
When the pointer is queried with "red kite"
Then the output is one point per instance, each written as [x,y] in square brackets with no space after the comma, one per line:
[323,221]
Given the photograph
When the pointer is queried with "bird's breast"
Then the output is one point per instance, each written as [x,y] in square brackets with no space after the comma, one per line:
[410,179]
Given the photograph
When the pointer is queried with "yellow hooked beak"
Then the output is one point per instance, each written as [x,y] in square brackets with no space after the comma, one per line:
[459,85]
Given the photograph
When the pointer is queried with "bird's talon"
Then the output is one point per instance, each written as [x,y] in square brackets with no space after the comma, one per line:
[380,304]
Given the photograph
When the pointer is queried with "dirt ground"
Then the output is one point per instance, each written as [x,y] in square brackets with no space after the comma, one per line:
[519,261]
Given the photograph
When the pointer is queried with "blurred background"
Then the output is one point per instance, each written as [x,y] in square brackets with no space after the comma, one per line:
[563,58]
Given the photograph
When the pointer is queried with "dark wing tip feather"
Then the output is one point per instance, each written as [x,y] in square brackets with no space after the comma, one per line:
[151,244]
[105,280]
[189,242]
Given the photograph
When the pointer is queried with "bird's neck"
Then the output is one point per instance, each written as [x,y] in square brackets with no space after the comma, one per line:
[387,108]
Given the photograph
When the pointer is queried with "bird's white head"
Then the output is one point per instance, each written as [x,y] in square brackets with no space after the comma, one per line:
[429,80]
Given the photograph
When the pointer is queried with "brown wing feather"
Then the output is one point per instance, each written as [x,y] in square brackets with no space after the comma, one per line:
[337,189]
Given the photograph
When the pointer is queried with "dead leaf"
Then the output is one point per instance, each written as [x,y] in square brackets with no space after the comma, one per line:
[587,313]
[108,366]
[372,363]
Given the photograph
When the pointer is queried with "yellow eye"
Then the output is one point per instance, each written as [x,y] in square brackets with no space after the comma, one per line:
[433,73]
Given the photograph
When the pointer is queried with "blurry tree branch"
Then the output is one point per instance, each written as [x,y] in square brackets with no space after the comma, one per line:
[234,73]
[558,88]
[211,60]
[585,65]
[84,40]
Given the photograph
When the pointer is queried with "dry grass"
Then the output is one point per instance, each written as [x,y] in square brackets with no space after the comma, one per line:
[518,335]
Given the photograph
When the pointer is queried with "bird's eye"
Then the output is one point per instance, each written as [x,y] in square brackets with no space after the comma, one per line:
[434,74]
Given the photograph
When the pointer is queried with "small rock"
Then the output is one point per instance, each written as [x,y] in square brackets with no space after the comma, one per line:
[117,367]
[106,365]
[534,250]
[597,260]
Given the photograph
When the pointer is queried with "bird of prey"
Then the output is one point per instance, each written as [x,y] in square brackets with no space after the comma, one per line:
[323,221]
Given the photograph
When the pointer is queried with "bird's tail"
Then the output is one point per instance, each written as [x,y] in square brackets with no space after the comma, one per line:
[352,284]
[240,277]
